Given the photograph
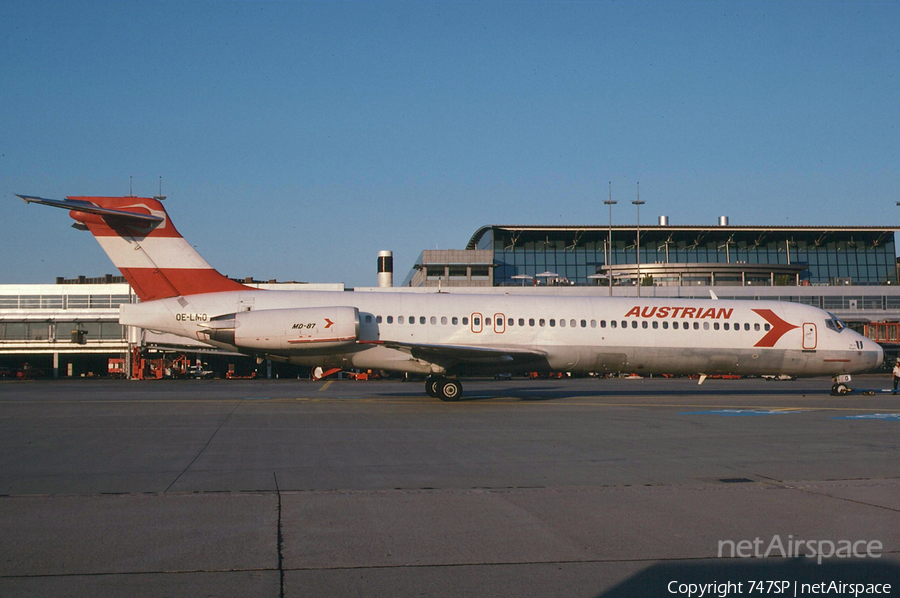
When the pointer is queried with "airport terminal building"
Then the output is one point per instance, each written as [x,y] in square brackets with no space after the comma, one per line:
[668,256]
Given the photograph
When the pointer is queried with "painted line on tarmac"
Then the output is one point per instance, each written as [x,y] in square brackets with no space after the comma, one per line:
[743,412]
[877,416]
[326,385]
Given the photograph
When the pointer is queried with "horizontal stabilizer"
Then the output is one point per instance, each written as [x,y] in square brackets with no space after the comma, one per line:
[90,208]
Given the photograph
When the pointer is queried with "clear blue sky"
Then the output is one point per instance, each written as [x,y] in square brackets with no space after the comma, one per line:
[296,139]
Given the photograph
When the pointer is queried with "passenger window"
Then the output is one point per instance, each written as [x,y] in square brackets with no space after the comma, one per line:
[487,321]
[665,325]
[433,320]
[746,326]
[476,321]
[584,324]
[510,322]
[521,321]
[421,319]
[644,324]
[399,319]
[634,324]
[454,320]
[593,323]
[562,323]
[624,324]
[766,327]
[572,323]
[602,323]
[685,325]
[443,320]
[756,327]
[705,325]
[412,319]
[531,321]
[613,323]
[726,326]
[655,324]
[390,319]
[465,321]
[541,322]
[696,325]
[674,325]
[715,325]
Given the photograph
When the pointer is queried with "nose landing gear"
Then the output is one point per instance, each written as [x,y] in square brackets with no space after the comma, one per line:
[840,384]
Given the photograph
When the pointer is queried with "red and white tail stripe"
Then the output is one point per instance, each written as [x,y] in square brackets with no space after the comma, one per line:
[152,256]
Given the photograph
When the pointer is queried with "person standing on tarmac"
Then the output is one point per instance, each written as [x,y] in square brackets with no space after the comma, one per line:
[896,375]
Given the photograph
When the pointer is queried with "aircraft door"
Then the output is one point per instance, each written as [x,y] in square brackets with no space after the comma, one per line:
[810,337]
[499,323]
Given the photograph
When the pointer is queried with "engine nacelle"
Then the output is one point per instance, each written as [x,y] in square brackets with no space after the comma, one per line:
[313,329]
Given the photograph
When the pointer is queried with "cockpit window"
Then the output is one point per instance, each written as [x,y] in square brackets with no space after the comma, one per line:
[835,323]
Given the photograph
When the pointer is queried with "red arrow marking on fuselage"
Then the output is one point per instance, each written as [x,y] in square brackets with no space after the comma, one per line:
[779,328]
[330,323]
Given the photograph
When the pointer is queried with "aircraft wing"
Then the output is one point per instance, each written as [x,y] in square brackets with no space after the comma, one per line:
[451,355]
[86,206]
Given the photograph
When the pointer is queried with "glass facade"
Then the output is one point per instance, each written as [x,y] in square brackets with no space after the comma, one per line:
[60,331]
[864,256]
[105,301]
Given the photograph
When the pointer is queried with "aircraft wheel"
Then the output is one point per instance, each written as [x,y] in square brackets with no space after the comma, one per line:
[842,390]
[450,390]
[432,386]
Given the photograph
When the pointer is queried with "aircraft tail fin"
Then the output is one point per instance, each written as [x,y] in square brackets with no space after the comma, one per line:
[140,239]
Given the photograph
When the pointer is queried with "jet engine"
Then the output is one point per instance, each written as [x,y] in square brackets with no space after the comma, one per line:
[305,329]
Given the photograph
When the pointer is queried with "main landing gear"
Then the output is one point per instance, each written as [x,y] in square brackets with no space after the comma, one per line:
[445,389]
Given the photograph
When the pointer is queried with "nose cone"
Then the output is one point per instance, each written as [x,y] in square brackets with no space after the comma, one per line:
[878,356]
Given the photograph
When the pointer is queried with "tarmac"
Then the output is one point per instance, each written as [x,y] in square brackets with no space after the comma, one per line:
[573,487]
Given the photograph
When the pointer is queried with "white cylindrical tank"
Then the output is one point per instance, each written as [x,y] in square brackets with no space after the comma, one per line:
[664,221]
[385,268]
[723,220]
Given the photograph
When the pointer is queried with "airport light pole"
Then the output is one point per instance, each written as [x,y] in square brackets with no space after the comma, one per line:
[610,203]
[638,203]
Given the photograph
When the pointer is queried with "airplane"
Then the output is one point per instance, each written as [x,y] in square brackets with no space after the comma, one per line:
[444,335]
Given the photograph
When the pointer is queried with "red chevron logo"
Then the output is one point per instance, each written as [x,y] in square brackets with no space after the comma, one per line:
[330,323]
[779,328]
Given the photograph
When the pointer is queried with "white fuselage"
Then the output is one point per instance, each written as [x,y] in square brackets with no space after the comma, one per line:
[579,334]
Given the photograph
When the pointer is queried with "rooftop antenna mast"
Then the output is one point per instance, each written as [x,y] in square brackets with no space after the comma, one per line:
[638,203]
[130,186]
[609,203]
[159,197]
